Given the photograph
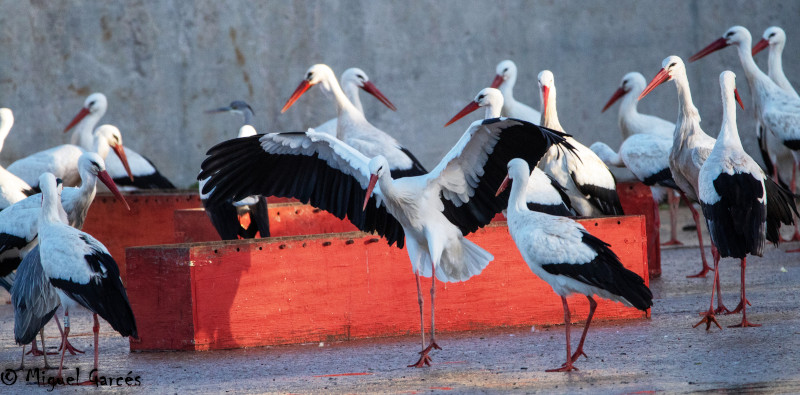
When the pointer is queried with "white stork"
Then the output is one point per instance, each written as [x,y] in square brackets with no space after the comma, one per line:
[429,213]
[690,145]
[589,183]
[734,193]
[504,80]
[647,155]
[776,109]
[353,129]
[225,215]
[140,174]
[544,194]
[81,270]
[563,254]
[354,79]
[12,188]
[62,160]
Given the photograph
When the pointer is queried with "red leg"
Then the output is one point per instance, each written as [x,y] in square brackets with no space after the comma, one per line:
[743,304]
[424,359]
[579,351]
[44,354]
[35,351]
[674,202]
[708,316]
[696,218]
[567,366]
[793,185]
[72,350]
[63,350]
[721,309]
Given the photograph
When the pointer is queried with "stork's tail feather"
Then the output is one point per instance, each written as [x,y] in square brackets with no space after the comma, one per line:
[459,264]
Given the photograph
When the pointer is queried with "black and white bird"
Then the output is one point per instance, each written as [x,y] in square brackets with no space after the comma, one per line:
[12,188]
[589,183]
[777,110]
[225,215]
[544,194]
[504,80]
[647,141]
[353,80]
[734,194]
[429,214]
[690,145]
[62,160]
[141,174]
[563,254]
[353,128]
[82,271]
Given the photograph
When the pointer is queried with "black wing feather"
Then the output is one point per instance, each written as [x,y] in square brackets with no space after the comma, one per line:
[780,207]
[224,218]
[416,168]
[736,222]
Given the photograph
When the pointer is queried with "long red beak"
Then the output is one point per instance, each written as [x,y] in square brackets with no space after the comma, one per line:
[659,79]
[738,98]
[498,79]
[373,179]
[503,186]
[472,106]
[545,93]
[715,46]
[373,90]
[619,93]
[760,46]
[123,158]
[81,114]
[106,179]
[302,88]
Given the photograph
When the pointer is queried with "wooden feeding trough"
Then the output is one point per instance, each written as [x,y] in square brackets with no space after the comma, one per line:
[637,199]
[311,288]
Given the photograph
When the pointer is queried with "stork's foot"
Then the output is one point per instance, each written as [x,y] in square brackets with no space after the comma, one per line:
[577,355]
[744,324]
[708,319]
[567,367]
[721,309]
[739,307]
[70,348]
[673,242]
[702,272]
[424,358]
[431,347]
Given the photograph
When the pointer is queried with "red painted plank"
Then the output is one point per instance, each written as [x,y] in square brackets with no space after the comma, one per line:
[351,285]
[149,222]
[637,199]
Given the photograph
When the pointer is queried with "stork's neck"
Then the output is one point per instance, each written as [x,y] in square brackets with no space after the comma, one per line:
[628,111]
[248,116]
[507,89]
[51,203]
[492,111]
[5,128]
[729,134]
[332,89]
[756,79]
[776,69]
[83,133]
[516,199]
[687,112]
[351,92]
[88,186]
[550,115]
[100,147]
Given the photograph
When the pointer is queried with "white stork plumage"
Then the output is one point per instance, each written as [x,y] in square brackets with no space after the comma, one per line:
[140,174]
[647,154]
[690,144]
[62,160]
[225,215]
[430,213]
[504,80]
[544,194]
[81,269]
[353,128]
[352,80]
[589,183]
[563,254]
[12,188]
[734,193]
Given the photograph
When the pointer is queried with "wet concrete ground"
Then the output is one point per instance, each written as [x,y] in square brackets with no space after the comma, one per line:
[663,354]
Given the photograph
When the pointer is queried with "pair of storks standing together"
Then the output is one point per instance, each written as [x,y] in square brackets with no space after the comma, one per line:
[429,212]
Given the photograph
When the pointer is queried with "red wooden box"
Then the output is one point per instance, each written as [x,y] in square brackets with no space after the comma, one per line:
[637,199]
[150,220]
[282,290]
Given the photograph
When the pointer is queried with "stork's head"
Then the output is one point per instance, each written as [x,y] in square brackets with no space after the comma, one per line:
[359,78]
[517,170]
[111,136]
[737,35]
[547,88]
[378,167]
[95,103]
[671,67]
[491,98]
[774,37]
[631,82]
[92,163]
[505,71]
[318,73]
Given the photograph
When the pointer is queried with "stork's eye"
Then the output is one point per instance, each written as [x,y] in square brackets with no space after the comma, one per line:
[481,97]
[309,75]
[505,70]
[729,34]
[772,35]
[673,64]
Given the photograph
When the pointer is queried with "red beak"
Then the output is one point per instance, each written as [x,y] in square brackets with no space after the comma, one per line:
[715,46]
[760,46]
[498,79]
[738,98]
[619,93]
[659,79]
[503,186]
[81,114]
[545,93]
[372,90]
[106,179]
[123,158]
[472,106]
[373,179]
[302,88]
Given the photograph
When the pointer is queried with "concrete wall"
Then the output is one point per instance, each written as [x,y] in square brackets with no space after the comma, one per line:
[161,63]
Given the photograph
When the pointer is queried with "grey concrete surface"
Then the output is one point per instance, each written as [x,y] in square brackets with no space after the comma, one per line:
[663,354]
[161,63]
